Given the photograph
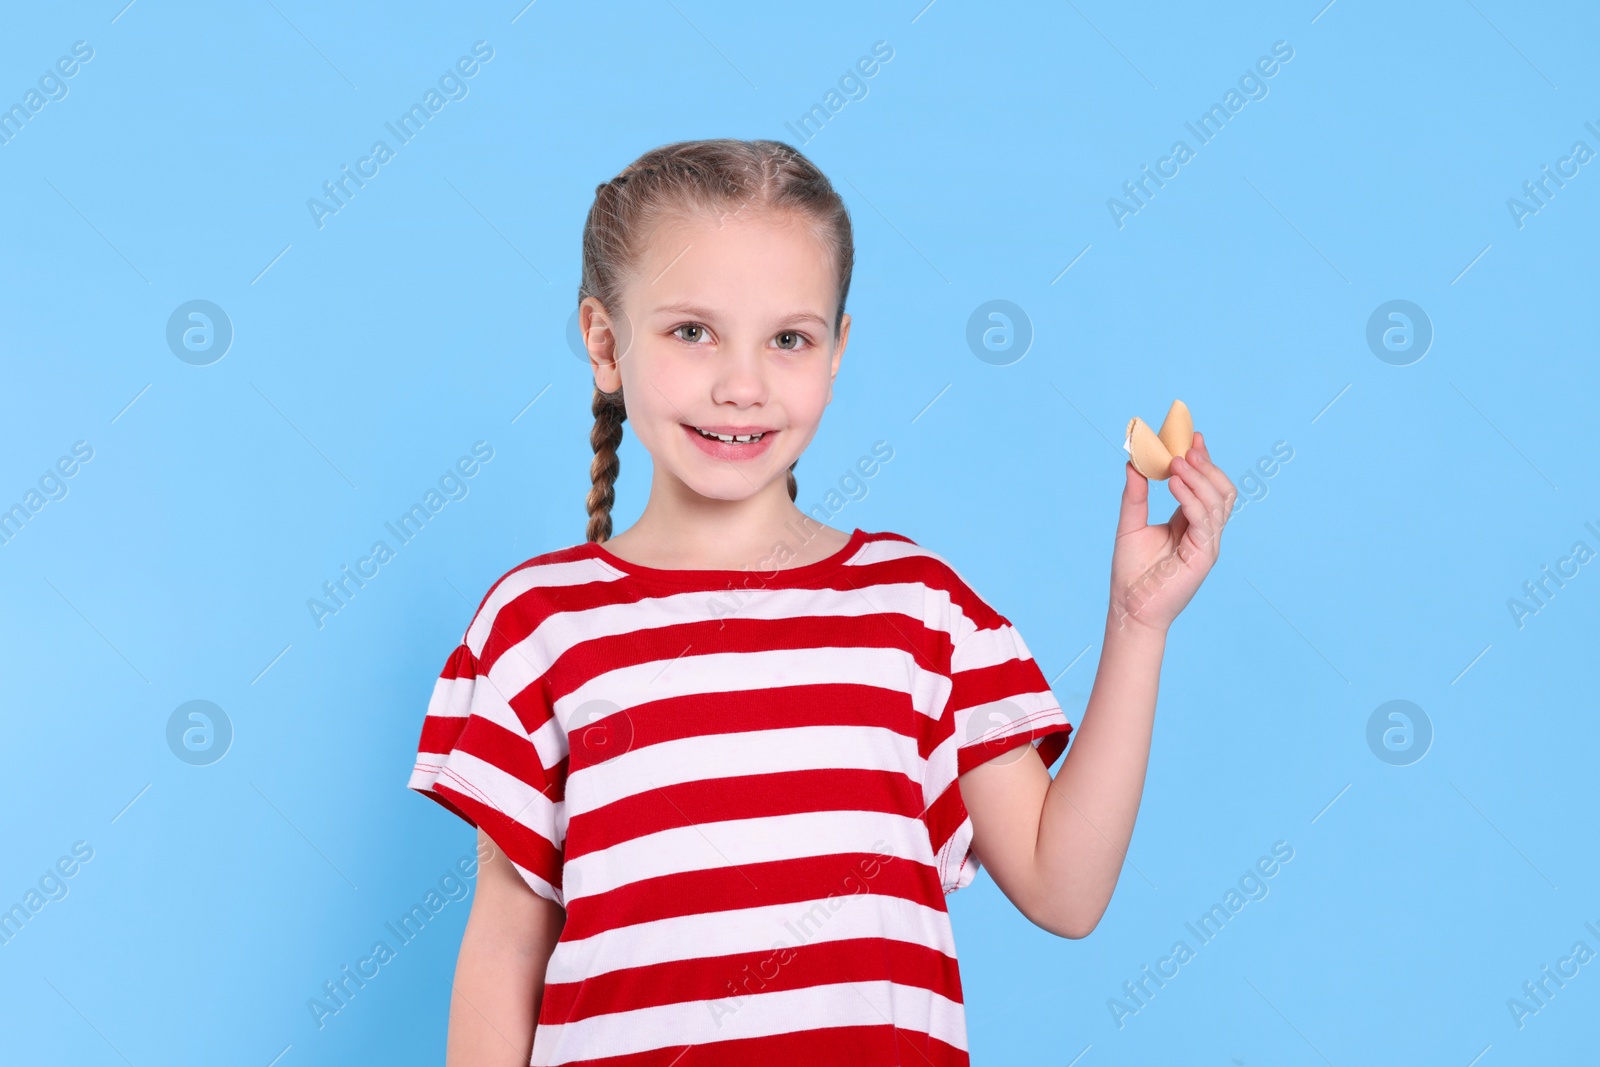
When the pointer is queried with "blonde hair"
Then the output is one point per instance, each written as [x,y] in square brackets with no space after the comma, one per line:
[674,181]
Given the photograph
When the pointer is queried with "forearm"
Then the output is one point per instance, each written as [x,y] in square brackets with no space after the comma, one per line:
[1089,810]
[494,1001]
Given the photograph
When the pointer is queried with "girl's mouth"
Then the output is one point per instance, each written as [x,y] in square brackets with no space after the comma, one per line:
[730,446]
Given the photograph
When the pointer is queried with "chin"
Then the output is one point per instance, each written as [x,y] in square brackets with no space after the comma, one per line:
[732,487]
[727,483]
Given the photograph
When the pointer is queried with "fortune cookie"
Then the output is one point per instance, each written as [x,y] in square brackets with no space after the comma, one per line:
[1152,452]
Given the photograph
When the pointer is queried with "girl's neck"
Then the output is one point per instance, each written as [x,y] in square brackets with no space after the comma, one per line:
[796,541]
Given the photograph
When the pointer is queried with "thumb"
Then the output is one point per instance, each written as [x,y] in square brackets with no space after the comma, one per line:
[1135,512]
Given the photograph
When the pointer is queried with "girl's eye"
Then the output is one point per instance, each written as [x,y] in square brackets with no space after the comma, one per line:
[698,330]
[797,338]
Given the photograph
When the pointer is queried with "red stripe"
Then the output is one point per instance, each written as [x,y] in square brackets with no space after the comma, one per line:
[752,885]
[1042,724]
[777,707]
[488,741]
[460,664]
[946,814]
[522,845]
[660,644]
[1000,681]
[752,796]
[728,980]
[835,1046]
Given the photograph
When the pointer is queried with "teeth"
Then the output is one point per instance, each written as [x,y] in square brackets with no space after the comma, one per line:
[729,439]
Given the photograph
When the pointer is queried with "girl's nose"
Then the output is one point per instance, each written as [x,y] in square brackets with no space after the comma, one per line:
[741,376]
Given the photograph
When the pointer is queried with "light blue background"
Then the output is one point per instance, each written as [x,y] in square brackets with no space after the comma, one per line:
[431,312]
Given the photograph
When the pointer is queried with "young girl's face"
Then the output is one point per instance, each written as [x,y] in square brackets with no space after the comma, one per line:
[725,325]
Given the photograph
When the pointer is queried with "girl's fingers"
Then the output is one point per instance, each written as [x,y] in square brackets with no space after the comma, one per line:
[1207,494]
[1178,524]
[1194,509]
[1213,472]
[1203,535]
[1135,510]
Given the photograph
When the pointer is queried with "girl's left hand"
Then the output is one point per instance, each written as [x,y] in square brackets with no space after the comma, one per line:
[1155,570]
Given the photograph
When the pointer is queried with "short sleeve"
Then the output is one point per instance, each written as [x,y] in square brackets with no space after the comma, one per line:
[478,759]
[999,702]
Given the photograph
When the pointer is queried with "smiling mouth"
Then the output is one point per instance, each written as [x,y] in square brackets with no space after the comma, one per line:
[731,439]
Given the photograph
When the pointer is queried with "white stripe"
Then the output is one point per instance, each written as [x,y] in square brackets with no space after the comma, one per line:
[694,674]
[888,549]
[452,698]
[713,756]
[985,648]
[958,864]
[489,785]
[904,604]
[984,724]
[940,770]
[711,605]
[734,843]
[760,1015]
[515,584]
[771,928]
[459,698]
[1037,713]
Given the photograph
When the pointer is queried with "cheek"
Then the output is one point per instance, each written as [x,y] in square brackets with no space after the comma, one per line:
[661,395]
[653,382]
[808,395]
[805,403]
[650,415]
[816,402]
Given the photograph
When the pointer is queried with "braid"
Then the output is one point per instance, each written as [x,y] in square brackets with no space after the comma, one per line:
[609,414]
[794,490]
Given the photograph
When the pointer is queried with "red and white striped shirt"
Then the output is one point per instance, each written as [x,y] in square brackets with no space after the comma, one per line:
[742,787]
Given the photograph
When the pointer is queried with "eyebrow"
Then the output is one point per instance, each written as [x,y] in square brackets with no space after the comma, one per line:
[707,314]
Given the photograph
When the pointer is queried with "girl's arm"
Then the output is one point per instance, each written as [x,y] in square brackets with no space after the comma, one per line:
[1060,868]
[511,932]
[1055,847]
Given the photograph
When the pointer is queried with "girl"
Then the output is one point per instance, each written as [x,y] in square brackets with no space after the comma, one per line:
[727,765]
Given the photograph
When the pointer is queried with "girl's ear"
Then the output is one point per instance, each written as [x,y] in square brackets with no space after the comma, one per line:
[838,353]
[600,339]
